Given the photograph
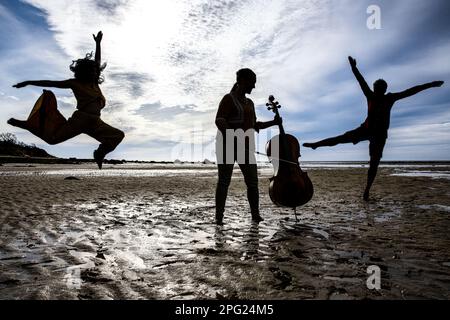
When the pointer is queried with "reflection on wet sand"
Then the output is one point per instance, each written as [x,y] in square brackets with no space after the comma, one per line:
[153,236]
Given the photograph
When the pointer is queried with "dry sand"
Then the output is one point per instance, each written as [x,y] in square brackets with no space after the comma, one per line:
[148,233]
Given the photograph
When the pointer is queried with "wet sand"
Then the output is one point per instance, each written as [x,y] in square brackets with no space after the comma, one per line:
[147,232]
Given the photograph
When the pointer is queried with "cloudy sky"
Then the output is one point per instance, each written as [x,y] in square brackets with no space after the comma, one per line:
[170,63]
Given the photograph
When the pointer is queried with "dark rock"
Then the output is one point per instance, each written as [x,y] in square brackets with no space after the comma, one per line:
[100,256]
[10,282]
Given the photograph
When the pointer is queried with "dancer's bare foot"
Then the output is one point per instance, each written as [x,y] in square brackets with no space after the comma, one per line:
[99,157]
[13,122]
[18,123]
[310,145]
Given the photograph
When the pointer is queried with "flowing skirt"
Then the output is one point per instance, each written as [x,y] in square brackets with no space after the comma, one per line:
[45,119]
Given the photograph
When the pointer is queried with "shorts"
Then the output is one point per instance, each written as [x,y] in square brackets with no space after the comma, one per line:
[377,141]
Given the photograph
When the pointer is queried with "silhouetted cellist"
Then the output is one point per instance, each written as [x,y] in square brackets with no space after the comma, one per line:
[236,114]
[375,127]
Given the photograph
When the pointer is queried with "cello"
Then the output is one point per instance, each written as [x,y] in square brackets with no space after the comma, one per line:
[290,186]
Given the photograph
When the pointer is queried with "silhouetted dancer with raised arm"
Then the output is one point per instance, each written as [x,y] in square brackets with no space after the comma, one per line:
[375,127]
[90,101]
[236,118]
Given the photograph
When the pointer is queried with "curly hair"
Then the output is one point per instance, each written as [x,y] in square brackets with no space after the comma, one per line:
[87,69]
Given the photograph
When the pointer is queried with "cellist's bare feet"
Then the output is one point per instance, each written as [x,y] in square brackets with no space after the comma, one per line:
[98,157]
[366,195]
[310,145]
[256,218]
[219,219]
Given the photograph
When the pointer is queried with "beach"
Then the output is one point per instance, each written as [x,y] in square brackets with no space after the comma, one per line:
[148,232]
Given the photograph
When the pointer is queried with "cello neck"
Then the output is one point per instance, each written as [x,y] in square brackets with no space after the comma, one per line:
[280,126]
[283,145]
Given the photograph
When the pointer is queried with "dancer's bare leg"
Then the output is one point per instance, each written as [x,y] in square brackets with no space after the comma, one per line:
[109,138]
[330,142]
[372,173]
[18,123]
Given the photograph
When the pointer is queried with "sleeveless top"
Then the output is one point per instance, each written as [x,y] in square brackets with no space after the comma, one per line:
[379,114]
[238,115]
[89,97]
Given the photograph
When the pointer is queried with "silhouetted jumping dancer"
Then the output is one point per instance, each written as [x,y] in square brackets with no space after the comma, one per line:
[90,102]
[375,127]
[235,112]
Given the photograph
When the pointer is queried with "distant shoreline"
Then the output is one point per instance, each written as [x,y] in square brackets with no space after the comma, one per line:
[54,160]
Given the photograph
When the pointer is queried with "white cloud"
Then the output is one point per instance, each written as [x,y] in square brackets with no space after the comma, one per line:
[189,49]
[185,53]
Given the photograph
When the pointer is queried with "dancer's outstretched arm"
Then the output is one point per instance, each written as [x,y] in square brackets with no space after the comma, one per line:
[98,50]
[414,90]
[362,82]
[65,84]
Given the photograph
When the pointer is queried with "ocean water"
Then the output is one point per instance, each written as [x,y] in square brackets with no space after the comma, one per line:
[435,170]
[438,174]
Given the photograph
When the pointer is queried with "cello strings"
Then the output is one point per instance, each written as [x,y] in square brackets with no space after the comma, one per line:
[287,161]
[263,154]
